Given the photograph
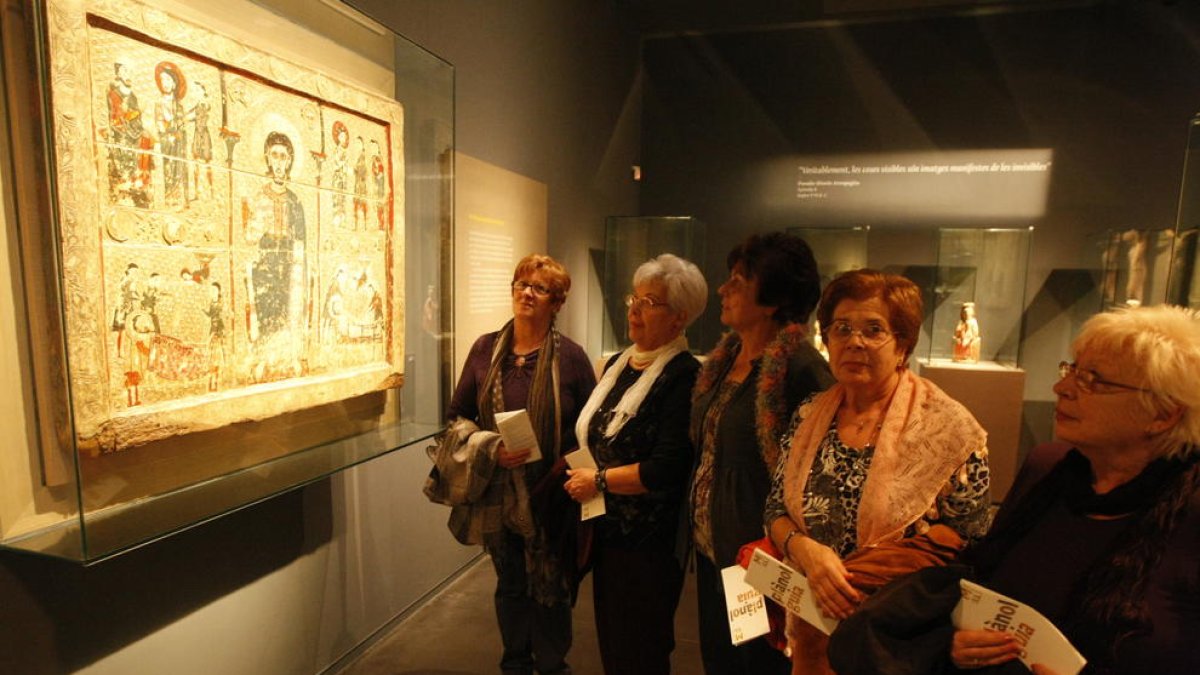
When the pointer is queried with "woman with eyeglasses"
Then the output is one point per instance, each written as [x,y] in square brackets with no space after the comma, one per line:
[528,364]
[1101,531]
[882,461]
[744,396]
[635,425]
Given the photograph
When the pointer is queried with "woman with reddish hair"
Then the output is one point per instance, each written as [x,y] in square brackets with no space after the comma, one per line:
[882,458]
[530,533]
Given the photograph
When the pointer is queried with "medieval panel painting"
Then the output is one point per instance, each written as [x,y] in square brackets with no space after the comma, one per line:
[231,228]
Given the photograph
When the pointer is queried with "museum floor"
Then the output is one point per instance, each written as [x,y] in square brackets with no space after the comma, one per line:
[455,634]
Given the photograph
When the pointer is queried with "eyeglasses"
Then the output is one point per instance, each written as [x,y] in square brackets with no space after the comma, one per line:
[644,302]
[872,334]
[538,289]
[1087,380]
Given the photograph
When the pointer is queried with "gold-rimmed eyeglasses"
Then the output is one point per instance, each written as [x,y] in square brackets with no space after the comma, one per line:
[872,334]
[1087,380]
[645,302]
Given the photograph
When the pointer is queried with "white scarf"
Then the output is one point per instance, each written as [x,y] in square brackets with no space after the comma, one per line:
[631,400]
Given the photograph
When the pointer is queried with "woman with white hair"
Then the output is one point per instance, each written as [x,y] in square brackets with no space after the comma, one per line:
[635,424]
[1101,533]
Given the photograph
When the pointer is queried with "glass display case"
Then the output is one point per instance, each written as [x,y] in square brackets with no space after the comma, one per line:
[837,250]
[1184,284]
[1134,266]
[630,241]
[245,281]
[979,296]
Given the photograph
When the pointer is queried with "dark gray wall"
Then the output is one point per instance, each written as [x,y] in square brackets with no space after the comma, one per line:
[549,90]
[1108,88]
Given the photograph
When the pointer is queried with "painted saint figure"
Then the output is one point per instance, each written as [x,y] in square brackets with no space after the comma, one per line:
[216,336]
[170,117]
[129,161]
[202,142]
[379,179]
[277,275]
[130,292]
[341,172]
[150,300]
[967,340]
[360,183]
[140,331]
[333,312]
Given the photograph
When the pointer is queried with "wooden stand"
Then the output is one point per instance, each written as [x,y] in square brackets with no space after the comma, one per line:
[994,394]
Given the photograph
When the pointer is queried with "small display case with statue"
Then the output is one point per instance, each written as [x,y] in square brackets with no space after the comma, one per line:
[978,300]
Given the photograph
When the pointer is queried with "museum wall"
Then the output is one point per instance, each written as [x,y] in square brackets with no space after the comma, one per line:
[292,584]
[546,90]
[842,124]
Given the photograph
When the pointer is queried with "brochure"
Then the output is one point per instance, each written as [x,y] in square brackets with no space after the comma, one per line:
[747,610]
[582,459]
[517,432]
[1042,642]
[787,587]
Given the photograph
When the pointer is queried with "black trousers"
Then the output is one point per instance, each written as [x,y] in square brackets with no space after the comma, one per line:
[635,594]
[536,637]
[720,655]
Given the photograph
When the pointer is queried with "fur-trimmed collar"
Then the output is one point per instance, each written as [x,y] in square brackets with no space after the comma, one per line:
[770,402]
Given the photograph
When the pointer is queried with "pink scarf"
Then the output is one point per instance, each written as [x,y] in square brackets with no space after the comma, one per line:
[926,436]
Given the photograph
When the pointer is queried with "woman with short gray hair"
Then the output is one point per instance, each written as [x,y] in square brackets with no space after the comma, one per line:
[635,424]
[1109,516]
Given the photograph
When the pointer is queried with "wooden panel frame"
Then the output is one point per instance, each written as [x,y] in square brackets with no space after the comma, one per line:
[122,197]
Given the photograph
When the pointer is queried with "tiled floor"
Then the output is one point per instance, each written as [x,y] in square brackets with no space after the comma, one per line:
[455,634]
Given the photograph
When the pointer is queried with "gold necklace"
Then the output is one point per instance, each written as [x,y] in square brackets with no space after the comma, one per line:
[860,425]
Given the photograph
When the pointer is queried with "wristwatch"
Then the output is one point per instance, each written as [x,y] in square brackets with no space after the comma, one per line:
[601,480]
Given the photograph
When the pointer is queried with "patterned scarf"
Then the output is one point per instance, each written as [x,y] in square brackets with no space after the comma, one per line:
[926,436]
[547,574]
[770,402]
[545,405]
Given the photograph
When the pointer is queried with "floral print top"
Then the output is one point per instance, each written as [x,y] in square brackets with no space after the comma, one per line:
[702,485]
[835,486]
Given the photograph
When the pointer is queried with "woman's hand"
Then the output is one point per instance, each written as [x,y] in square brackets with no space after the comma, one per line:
[827,576]
[1039,669]
[511,459]
[979,648]
[581,484]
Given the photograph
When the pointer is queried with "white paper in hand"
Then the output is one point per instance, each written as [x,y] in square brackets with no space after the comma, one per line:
[517,431]
[747,610]
[582,459]
[787,587]
[982,608]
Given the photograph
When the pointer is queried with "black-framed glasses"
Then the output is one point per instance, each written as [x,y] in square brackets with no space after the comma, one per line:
[538,289]
[1087,380]
[645,302]
[872,334]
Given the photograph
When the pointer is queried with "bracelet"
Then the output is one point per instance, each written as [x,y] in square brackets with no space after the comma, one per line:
[787,540]
[601,481]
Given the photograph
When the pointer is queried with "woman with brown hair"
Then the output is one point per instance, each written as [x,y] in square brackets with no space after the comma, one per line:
[744,396]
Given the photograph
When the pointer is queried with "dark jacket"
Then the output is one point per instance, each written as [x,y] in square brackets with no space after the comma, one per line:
[741,480]
[657,439]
